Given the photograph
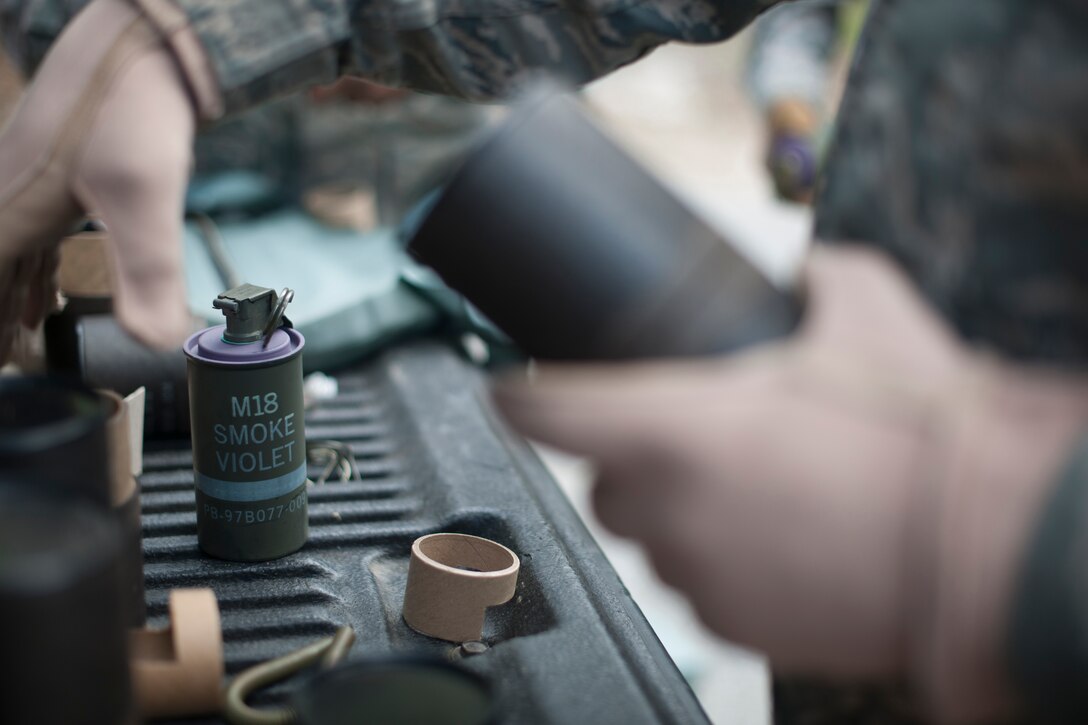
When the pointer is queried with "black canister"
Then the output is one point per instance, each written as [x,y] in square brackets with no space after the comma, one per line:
[395,690]
[96,350]
[577,253]
[249,444]
[58,437]
[53,436]
[64,657]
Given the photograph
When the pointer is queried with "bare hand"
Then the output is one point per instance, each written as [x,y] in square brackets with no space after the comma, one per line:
[105,128]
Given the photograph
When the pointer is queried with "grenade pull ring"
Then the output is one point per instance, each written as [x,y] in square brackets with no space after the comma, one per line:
[287,295]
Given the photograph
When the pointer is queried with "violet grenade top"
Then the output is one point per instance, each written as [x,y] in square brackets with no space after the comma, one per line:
[209,346]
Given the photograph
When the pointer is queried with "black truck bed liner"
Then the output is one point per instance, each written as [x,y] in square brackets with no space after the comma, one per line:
[571,647]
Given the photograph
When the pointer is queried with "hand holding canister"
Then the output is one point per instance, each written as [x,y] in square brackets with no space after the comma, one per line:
[843,501]
[249,447]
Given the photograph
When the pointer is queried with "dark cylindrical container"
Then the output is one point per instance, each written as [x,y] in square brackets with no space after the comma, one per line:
[58,437]
[576,252]
[64,659]
[84,341]
[53,437]
[95,349]
[395,690]
[249,446]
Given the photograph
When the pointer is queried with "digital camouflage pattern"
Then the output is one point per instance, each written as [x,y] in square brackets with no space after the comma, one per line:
[472,49]
[962,149]
[399,149]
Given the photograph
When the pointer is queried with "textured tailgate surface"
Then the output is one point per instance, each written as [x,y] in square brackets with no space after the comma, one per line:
[571,647]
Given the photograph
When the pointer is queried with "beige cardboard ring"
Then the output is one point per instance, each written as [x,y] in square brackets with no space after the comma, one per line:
[178,671]
[452,580]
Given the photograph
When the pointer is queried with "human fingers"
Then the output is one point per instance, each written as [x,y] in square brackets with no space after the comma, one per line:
[858,297]
[134,175]
[607,412]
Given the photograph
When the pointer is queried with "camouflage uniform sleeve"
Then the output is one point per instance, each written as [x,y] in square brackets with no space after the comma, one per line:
[1048,644]
[472,49]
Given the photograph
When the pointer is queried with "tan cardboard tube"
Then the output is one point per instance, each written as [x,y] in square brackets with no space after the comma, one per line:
[178,671]
[125,500]
[134,402]
[122,482]
[85,268]
[452,580]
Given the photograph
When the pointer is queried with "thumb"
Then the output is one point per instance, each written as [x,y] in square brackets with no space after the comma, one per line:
[600,411]
[134,175]
[149,282]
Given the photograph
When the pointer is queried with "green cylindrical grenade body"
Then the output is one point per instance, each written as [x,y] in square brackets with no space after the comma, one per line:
[249,446]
